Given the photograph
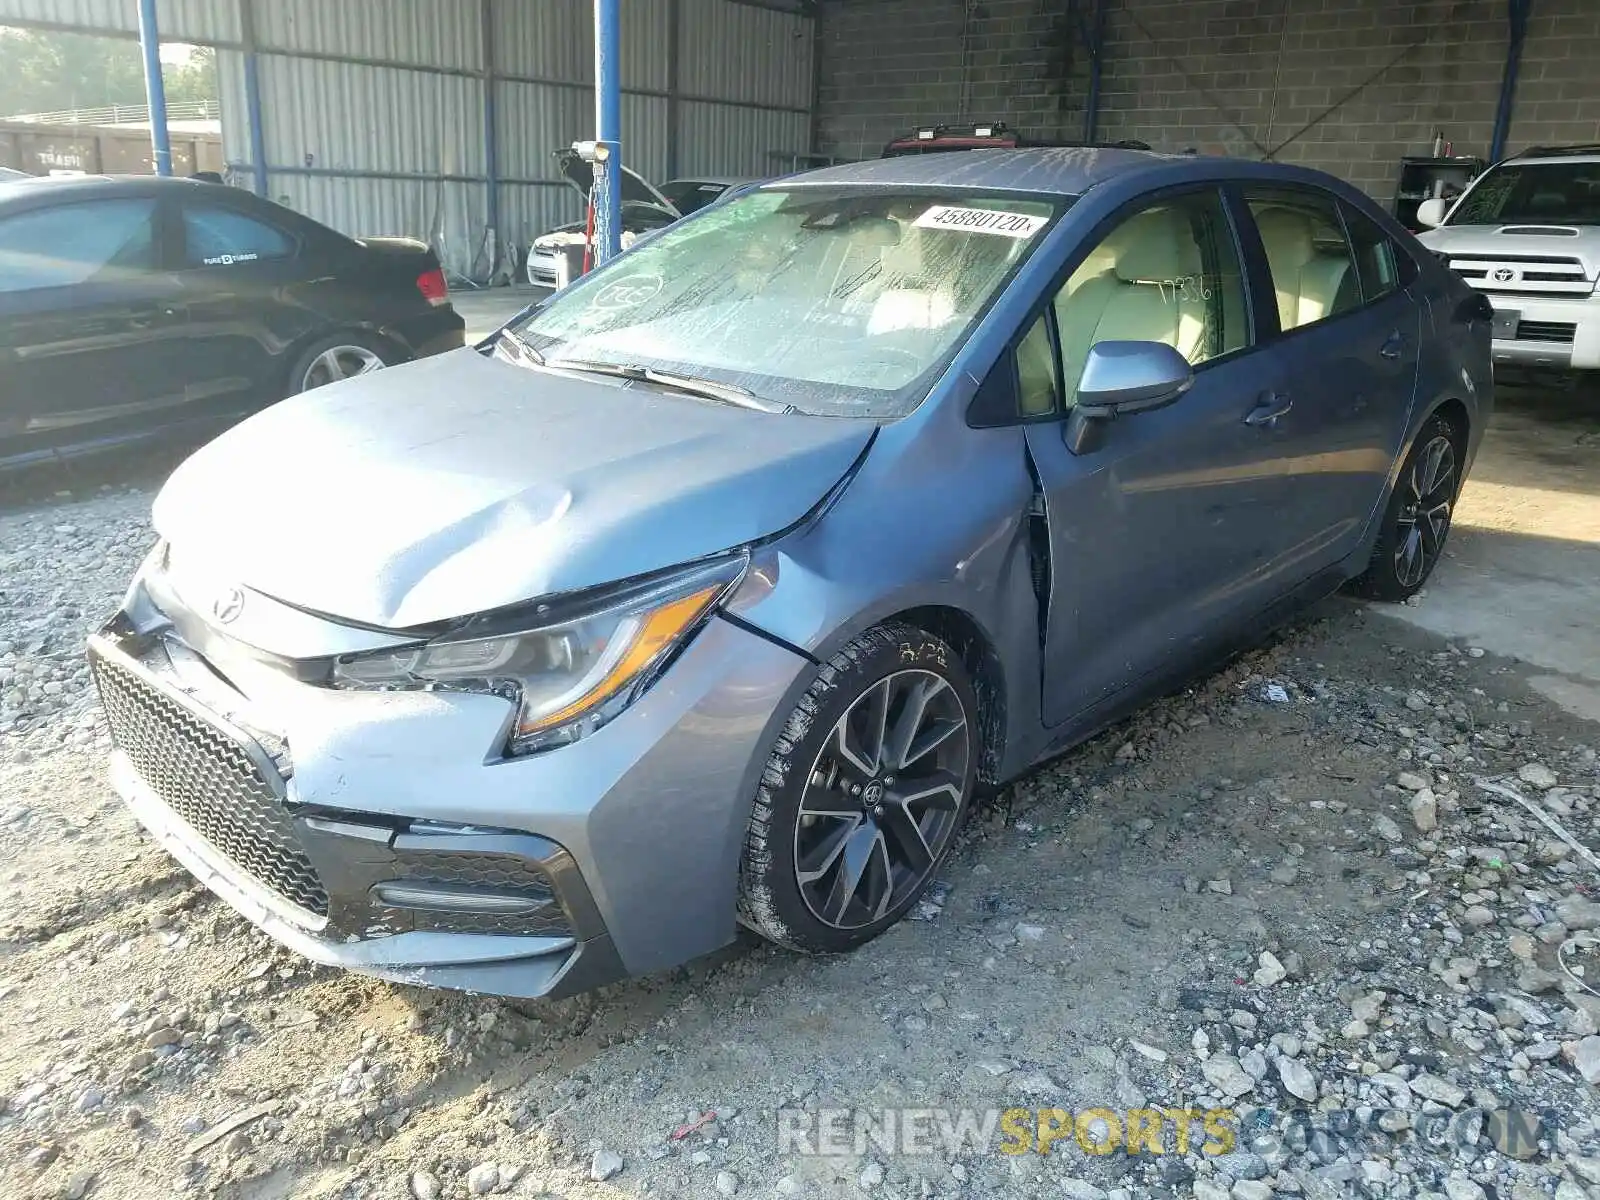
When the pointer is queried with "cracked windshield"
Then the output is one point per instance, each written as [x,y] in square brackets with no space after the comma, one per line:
[835,302]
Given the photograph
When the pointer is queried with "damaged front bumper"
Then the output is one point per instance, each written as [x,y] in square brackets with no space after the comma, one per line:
[383,834]
[414,901]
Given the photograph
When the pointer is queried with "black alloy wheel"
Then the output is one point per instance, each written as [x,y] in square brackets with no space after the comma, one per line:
[1416,522]
[881,800]
[863,794]
[1423,521]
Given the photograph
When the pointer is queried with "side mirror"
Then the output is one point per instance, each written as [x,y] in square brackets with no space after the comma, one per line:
[1121,379]
[1432,212]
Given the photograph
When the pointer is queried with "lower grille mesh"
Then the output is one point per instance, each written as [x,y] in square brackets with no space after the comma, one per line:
[1546,331]
[209,780]
[505,874]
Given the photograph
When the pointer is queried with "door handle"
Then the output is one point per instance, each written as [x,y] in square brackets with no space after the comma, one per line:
[150,318]
[1392,347]
[1267,411]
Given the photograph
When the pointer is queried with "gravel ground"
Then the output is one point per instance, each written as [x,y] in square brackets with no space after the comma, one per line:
[1283,892]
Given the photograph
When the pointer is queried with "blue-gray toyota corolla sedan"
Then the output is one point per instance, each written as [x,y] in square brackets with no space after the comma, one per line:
[709,591]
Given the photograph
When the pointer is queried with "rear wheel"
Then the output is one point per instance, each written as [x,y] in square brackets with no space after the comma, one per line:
[1417,519]
[863,793]
[342,356]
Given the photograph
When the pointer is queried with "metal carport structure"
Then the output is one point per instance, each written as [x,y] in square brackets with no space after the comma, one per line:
[439,117]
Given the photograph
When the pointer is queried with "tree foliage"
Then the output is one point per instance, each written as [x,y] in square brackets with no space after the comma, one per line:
[45,72]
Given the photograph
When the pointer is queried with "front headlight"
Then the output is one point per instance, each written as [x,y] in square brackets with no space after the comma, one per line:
[570,667]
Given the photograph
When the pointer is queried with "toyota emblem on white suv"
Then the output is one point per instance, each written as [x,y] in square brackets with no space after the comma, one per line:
[1504,274]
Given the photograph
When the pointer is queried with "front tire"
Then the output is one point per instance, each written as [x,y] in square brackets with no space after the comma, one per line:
[1416,521]
[863,794]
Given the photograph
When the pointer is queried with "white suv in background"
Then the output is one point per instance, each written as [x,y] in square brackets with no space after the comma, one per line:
[1526,233]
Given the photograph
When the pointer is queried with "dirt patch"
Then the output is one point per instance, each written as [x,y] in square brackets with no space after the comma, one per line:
[1123,894]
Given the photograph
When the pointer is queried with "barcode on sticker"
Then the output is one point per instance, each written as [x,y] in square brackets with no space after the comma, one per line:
[981,220]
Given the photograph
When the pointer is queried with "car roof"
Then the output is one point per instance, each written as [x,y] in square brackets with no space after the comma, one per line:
[61,187]
[1537,158]
[1060,170]
[719,180]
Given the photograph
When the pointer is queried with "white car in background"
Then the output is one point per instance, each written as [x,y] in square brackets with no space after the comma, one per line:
[1527,235]
[645,209]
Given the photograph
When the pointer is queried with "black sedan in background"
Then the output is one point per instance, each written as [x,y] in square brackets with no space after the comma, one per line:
[131,307]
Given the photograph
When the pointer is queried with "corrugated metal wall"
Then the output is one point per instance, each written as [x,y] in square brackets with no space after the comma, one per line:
[373,110]
[431,33]
[206,21]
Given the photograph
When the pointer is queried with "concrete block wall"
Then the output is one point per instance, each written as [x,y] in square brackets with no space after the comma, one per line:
[1348,86]
[887,65]
[1558,94]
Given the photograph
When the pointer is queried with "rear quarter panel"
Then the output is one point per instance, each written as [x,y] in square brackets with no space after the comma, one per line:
[1455,366]
[348,286]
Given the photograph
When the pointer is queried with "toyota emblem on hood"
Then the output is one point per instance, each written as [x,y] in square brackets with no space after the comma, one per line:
[1504,274]
[228,606]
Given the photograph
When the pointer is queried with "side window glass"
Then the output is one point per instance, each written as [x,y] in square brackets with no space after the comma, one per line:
[1036,372]
[220,237]
[1313,274]
[1377,258]
[1169,273]
[77,243]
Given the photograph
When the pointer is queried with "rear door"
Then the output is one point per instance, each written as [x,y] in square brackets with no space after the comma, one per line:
[242,275]
[1349,334]
[91,329]
[1391,291]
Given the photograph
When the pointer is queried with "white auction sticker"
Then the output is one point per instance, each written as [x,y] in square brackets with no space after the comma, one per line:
[981,220]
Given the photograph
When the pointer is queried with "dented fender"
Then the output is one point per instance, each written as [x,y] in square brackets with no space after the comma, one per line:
[915,532]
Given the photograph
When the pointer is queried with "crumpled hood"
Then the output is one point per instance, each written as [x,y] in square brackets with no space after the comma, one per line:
[463,483]
[1513,243]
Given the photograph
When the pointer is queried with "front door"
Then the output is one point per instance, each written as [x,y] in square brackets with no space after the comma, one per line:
[1163,535]
[91,331]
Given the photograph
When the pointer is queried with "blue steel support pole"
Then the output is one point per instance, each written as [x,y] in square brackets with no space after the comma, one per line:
[491,138]
[154,89]
[1097,46]
[258,137]
[608,119]
[1517,21]
[252,96]
[674,110]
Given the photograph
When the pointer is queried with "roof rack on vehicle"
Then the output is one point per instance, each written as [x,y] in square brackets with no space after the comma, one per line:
[987,135]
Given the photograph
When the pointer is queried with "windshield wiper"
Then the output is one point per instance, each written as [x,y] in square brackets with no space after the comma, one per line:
[522,345]
[728,393]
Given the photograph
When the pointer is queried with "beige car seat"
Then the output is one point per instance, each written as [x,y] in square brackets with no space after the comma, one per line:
[1099,261]
[1150,293]
[1307,283]
[910,294]
[910,308]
